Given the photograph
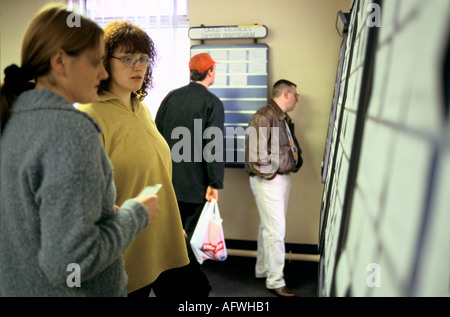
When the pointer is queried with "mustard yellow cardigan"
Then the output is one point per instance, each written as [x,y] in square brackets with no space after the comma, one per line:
[141,157]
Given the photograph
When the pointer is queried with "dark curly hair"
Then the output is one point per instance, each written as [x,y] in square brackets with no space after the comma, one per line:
[132,39]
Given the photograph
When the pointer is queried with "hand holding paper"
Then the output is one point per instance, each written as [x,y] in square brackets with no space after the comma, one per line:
[150,190]
[149,199]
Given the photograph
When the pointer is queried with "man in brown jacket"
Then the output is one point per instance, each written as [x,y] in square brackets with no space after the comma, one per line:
[272,153]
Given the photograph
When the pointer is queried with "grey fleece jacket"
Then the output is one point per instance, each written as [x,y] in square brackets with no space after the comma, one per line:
[57,204]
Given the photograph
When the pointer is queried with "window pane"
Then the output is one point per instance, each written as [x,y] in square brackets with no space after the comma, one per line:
[118,8]
[181,7]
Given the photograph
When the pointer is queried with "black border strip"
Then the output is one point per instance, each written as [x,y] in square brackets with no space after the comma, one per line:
[290,247]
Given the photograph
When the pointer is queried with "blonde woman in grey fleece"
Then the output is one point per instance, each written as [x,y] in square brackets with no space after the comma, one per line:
[60,233]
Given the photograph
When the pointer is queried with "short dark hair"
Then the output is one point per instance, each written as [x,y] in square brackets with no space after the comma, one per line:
[280,86]
[196,76]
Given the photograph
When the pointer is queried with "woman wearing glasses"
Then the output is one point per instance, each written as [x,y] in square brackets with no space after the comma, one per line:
[140,157]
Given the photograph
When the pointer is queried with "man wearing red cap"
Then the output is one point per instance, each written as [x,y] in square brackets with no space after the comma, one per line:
[193,108]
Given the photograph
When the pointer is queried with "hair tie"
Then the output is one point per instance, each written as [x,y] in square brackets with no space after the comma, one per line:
[17,80]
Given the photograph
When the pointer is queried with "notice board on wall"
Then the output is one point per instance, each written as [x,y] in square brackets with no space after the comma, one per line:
[241,84]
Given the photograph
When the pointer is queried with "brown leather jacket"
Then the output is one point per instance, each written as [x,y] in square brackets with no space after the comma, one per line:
[261,158]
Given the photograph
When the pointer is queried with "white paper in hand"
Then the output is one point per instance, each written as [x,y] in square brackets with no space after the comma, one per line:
[150,190]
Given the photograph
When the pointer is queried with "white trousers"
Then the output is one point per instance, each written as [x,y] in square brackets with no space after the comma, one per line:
[271,198]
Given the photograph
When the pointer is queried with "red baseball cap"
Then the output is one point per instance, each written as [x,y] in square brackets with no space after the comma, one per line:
[201,62]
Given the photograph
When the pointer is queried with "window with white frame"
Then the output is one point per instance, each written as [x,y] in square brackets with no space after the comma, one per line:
[166,22]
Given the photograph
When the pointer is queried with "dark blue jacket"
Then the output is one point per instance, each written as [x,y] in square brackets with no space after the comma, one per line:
[182,119]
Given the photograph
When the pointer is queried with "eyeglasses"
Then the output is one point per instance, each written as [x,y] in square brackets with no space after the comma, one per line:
[296,95]
[130,61]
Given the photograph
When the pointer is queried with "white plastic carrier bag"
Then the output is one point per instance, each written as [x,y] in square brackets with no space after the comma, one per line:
[208,241]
